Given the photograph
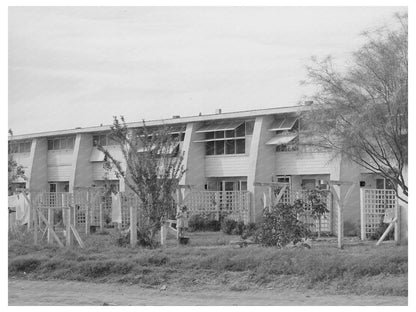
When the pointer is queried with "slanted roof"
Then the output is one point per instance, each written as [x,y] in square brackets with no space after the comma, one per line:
[223,125]
[171,121]
[281,139]
[282,124]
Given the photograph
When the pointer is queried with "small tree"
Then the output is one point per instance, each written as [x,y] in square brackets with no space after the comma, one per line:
[15,170]
[316,200]
[281,225]
[153,168]
[362,113]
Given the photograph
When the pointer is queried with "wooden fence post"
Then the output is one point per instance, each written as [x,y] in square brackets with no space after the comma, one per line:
[362,211]
[51,222]
[163,234]
[69,214]
[397,224]
[35,225]
[217,205]
[133,226]
[101,217]
[29,224]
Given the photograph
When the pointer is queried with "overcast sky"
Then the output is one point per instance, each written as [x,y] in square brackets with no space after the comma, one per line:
[71,67]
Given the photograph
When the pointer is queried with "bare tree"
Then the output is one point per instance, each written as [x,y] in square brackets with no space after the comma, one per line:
[363,112]
[153,169]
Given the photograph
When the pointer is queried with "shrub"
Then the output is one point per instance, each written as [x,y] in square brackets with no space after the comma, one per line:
[228,225]
[24,264]
[199,222]
[249,230]
[196,223]
[281,225]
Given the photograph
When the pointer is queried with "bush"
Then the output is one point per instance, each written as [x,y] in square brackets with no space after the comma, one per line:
[199,222]
[249,230]
[281,225]
[228,225]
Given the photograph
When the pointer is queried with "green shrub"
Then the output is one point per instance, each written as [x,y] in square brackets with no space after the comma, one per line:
[24,264]
[281,225]
[249,230]
[201,223]
[196,223]
[228,225]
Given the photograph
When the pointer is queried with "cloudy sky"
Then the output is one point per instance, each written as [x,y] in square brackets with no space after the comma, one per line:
[79,66]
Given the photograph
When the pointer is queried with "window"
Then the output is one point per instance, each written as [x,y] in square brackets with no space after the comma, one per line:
[20,147]
[384,184]
[226,137]
[283,179]
[61,143]
[209,148]
[291,146]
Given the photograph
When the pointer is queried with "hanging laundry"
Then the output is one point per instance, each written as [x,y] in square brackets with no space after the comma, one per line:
[22,209]
[13,201]
[116,207]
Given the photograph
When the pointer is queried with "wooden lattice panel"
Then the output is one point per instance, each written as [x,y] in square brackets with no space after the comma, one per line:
[233,204]
[375,202]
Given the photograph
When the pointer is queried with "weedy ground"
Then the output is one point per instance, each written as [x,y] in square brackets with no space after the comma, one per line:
[210,261]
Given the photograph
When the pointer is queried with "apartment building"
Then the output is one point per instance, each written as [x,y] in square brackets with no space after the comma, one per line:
[222,152]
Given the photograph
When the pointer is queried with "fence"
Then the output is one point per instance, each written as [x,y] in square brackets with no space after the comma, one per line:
[290,195]
[374,203]
[234,204]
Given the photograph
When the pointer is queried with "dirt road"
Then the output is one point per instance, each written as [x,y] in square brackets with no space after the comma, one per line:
[24,293]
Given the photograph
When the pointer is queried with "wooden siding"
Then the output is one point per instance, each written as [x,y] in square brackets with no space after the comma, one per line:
[98,172]
[60,157]
[59,173]
[291,163]
[22,159]
[226,166]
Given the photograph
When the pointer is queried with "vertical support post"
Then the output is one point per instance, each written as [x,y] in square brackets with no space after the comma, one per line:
[340,222]
[362,211]
[133,226]
[87,213]
[69,213]
[35,225]
[163,234]
[270,198]
[101,217]
[217,205]
[51,222]
[29,224]
[397,224]
[87,218]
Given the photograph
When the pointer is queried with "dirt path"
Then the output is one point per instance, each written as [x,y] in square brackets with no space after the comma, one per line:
[24,292]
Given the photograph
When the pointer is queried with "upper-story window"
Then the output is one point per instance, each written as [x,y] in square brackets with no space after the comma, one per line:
[287,134]
[20,147]
[61,143]
[226,137]
[103,140]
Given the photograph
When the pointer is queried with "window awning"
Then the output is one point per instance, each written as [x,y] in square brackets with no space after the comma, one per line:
[96,155]
[170,150]
[221,126]
[283,124]
[281,139]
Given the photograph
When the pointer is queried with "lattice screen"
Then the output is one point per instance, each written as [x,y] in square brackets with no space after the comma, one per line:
[374,203]
[233,204]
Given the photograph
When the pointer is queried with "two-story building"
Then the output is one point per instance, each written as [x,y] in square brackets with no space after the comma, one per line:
[222,152]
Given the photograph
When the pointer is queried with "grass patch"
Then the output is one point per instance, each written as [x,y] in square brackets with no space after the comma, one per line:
[355,269]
